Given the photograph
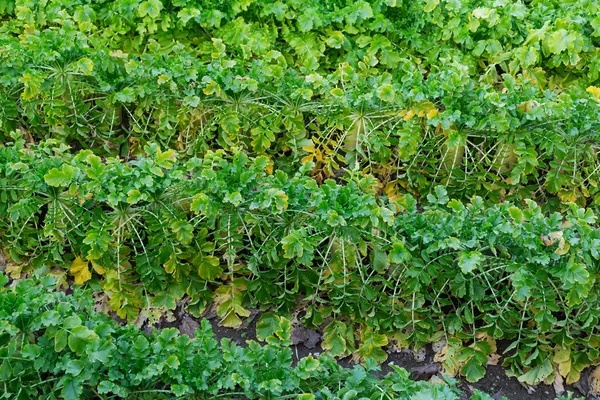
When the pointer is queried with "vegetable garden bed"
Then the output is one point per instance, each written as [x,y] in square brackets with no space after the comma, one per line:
[392,175]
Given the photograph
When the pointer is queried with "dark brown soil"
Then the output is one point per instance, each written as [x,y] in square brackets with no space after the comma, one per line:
[496,383]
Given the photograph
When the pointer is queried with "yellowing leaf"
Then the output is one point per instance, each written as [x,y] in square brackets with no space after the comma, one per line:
[409,115]
[595,91]
[80,270]
[86,66]
[162,78]
[432,113]
[563,248]
[98,268]
[337,92]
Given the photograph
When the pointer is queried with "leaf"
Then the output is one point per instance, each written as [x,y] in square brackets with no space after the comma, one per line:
[432,113]
[371,346]
[595,91]
[431,5]
[595,23]
[470,261]
[165,299]
[473,370]
[80,270]
[379,260]
[184,231]
[32,83]
[71,322]
[86,66]
[563,358]
[560,40]
[266,325]
[96,168]
[165,159]
[172,362]
[150,7]
[399,254]
[386,93]
[336,338]
[537,374]
[72,388]
[134,196]
[209,268]
[336,92]
[516,214]
[60,177]
[60,340]
[74,367]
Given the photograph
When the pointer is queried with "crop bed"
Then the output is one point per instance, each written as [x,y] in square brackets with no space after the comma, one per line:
[389,175]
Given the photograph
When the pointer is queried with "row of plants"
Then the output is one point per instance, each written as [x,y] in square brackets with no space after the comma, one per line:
[370,271]
[54,345]
[485,98]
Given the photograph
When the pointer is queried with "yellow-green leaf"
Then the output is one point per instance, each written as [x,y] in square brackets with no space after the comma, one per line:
[80,270]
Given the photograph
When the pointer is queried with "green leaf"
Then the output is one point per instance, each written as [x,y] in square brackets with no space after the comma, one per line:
[279,198]
[165,159]
[379,260]
[530,57]
[60,340]
[86,66]
[183,230]
[172,362]
[472,370]
[440,197]
[336,92]
[470,261]
[399,254]
[209,268]
[336,338]
[560,41]
[62,177]
[71,322]
[165,299]
[72,388]
[134,196]
[386,93]
[595,23]
[516,214]
[96,169]
[150,7]
[266,326]
[74,367]
[537,374]
[188,13]
[309,363]
[431,5]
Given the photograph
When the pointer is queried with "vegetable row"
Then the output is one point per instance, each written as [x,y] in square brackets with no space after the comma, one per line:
[371,271]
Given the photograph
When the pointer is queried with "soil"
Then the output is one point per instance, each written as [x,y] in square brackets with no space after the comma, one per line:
[421,365]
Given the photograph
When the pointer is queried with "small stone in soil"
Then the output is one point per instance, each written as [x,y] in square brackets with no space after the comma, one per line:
[188,326]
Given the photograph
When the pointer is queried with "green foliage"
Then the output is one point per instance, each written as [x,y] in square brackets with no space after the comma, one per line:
[483,97]
[105,360]
[269,154]
[228,232]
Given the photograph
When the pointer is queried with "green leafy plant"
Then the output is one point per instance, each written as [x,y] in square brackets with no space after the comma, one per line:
[55,345]
[228,232]
[485,98]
